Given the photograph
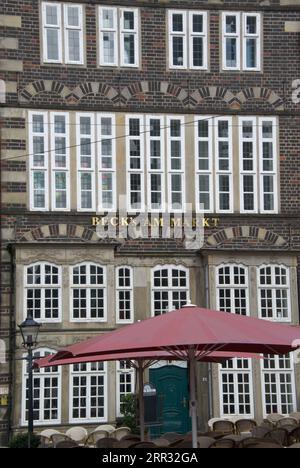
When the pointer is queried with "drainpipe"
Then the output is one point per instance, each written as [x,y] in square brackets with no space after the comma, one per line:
[12,341]
[210,388]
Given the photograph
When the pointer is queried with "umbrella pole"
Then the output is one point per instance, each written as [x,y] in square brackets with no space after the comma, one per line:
[140,371]
[193,402]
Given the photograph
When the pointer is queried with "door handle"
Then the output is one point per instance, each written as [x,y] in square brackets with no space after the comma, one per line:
[184,402]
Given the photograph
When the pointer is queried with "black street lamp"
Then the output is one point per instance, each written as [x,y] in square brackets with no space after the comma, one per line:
[29,330]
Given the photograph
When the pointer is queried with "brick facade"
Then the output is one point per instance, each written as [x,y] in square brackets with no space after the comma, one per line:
[152,88]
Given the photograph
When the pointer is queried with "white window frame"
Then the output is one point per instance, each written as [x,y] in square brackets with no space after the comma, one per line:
[277,371]
[44,373]
[243,172]
[232,286]
[236,371]
[196,34]
[222,172]
[241,37]
[46,26]
[182,171]
[182,34]
[129,289]
[101,170]
[114,31]
[210,171]
[55,169]
[79,28]
[274,287]
[88,286]
[82,170]
[151,171]
[274,172]
[170,289]
[89,374]
[256,36]
[226,36]
[134,32]
[130,171]
[42,286]
[32,168]
[129,372]
[63,28]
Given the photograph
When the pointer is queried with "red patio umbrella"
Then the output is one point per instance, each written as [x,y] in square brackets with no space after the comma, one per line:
[189,334]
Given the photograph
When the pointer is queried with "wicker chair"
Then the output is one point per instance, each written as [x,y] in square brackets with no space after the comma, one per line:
[295,415]
[120,433]
[107,442]
[143,445]
[224,427]
[67,444]
[245,425]
[185,443]
[257,444]
[287,422]
[78,434]
[161,442]
[106,427]
[95,436]
[294,436]
[274,418]
[205,442]
[279,435]
[60,437]
[46,436]
[259,432]
[224,444]
[172,436]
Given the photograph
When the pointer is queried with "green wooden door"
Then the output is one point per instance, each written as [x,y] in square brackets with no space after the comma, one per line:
[171,383]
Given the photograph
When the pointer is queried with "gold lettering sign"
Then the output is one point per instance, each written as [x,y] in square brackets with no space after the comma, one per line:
[155,222]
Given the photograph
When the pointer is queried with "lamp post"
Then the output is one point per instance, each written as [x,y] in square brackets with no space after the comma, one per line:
[29,330]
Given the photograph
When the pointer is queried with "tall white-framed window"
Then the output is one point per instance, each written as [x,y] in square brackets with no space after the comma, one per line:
[39,161]
[251,41]
[42,292]
[85,135]
[124,293]
[188,39]
[46,392]
[88,392]
[274,293]
[232,289]
[135,163]
[106,162]
[236,388]
[268,161]
[241,41]
[125,376]
[176,163]
[170,288]
[223,164]
[88,293]
[62,33]
[60,161]
[278,385]
[155,156]
[119,36]
[204,164]
[248,164]
[109,49]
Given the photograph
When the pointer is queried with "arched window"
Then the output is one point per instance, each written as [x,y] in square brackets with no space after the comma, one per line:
[170,288]
[124,295]
[88,290]
[274,293]
[232,289]
[46,392]
[43,292]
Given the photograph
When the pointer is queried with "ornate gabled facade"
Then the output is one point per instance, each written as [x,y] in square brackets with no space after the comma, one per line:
[166,104]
